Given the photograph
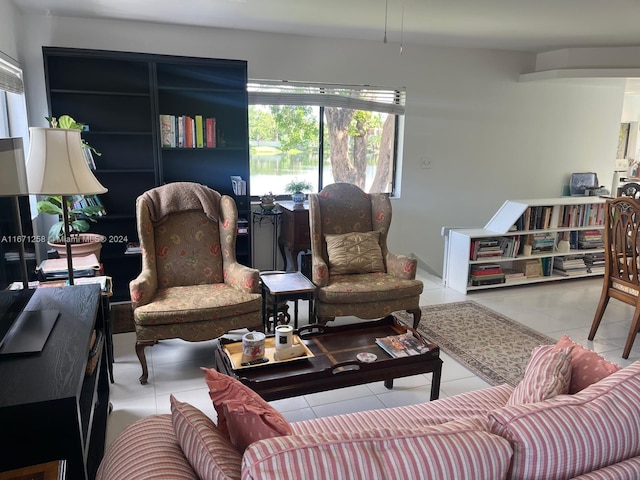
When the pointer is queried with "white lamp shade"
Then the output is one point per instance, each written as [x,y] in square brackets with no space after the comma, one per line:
[13,175]
[57,166]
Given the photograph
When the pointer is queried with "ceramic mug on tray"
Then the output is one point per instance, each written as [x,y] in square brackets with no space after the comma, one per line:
[253,345]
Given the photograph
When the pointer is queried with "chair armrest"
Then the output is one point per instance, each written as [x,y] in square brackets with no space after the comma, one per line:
[401,266]
[242,278]
[319,271]
[142,288]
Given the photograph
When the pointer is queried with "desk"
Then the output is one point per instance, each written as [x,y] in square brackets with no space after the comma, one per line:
[295,236]
[49,409]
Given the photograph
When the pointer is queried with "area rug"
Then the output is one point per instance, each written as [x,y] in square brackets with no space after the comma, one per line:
[491,345]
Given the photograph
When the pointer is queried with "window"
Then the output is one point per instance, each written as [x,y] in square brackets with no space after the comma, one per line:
[323,134]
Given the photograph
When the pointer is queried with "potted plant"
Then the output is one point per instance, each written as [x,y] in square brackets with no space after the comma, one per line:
[82,210]
[296,188]
[268,202]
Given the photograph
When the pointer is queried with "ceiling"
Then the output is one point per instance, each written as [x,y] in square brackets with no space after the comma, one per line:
[520,25]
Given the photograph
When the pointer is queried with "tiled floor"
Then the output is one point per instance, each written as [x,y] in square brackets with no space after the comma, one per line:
[552,308]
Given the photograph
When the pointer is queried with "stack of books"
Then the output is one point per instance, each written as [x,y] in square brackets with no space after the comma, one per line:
[487,274]
[483,248]
[56,268]
[569,265]
[542,242]
[588,239]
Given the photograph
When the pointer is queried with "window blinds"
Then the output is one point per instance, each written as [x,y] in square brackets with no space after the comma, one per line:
[357,97]
[10,77]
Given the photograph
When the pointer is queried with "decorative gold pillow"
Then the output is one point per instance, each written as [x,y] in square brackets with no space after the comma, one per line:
[355,252]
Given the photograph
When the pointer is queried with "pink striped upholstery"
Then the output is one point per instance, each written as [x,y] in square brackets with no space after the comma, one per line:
[548,374]
[465,405]
[627,470]
[210,454]
[146,450]
[567,435]
[455,450]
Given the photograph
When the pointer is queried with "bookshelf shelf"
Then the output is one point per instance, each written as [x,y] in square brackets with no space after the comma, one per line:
[121,96]
[496,255]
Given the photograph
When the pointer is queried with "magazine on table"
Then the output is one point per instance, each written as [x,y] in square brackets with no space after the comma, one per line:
[402,345]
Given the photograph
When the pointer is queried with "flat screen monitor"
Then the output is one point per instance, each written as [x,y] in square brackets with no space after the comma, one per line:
[23,331]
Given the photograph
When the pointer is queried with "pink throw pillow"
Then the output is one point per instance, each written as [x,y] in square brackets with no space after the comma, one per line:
[243,415]
[587,367]
[210,454]
[548,374]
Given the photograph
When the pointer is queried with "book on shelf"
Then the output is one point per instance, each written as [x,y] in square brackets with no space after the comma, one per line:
[243,226]
[210,125]
[199,132]
[167,133]
[491,280]
[238,185]
[402,345]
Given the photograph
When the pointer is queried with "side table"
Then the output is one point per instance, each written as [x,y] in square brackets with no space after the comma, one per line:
[279,287]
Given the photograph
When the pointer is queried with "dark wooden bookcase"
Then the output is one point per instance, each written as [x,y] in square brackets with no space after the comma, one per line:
[121,95]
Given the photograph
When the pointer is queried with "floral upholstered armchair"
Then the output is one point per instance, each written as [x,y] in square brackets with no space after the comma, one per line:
[191,286]
[353,270]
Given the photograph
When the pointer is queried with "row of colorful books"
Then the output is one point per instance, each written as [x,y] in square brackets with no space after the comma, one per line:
[184,131]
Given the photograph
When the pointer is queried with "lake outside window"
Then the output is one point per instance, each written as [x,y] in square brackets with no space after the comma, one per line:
[323,134]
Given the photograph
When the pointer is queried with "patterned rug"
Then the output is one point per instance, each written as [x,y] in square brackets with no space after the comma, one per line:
[491,345]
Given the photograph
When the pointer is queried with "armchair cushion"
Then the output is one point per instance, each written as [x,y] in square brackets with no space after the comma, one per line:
[243,415]
[368,287]
[354,252]
[195,303]
[210,454]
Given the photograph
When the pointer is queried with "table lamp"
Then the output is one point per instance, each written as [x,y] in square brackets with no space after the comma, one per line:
[13,182]
[57,166]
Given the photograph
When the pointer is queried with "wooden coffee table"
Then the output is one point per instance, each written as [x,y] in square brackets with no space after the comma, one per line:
[334,364]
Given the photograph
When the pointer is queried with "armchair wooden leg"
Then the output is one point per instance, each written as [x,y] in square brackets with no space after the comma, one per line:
[143,359]
[417,315]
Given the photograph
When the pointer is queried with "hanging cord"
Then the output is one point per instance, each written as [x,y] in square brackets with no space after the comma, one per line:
[386,11]
[402,29]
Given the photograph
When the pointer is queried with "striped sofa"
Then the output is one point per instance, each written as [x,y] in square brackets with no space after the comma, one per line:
[591,435]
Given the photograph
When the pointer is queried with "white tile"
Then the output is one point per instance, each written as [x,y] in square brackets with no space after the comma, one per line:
[337,395]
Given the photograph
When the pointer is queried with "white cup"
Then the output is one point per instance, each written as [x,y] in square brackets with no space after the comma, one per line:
[253,345]
[284,336]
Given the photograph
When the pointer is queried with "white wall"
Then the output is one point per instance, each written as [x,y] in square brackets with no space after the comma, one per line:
[489,137]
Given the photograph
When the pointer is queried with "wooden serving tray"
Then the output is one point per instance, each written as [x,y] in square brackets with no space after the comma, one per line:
[234,353]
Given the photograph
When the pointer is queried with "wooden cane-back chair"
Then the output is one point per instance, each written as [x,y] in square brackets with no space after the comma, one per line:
[622,253]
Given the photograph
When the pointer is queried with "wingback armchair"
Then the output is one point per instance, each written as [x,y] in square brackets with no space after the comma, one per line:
[353,270]
[191,286]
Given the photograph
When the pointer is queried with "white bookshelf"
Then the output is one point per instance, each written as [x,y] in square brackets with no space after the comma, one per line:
[564,215]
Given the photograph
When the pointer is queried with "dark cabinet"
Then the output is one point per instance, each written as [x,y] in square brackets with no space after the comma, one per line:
[50,407]
[120,96]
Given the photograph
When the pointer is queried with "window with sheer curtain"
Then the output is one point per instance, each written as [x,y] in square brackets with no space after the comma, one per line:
[321,134]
